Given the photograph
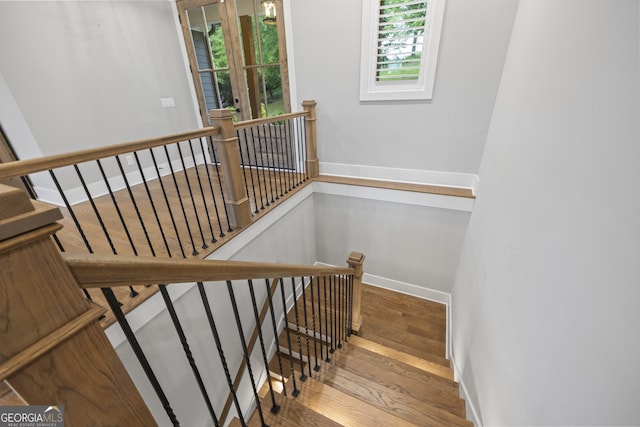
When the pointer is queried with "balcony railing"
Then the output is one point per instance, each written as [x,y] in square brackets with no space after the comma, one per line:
[179,195]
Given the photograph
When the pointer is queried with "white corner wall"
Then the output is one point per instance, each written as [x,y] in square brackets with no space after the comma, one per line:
[545,302]
[90,73]
[444,134]
[413,244]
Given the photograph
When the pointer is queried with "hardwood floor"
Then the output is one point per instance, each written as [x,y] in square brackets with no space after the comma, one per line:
[394,373]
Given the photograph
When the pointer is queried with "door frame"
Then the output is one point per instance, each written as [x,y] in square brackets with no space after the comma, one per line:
[235,57]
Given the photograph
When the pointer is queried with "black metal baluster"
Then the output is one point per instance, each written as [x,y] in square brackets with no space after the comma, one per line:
[153,208]
[294,151]
[282,137]
[336,310]
[137,350]
[132,292]
[303,147]
[253,184]
[224,200]
[350,309]
[193,201]
[344,306]
[295,392]
[204,201]
[332,305]
[326,321]
[275,332]
[277,159]
[338,324]
[135,206]
[166,199]
[95,210]
[243,166]
[247,356]
[313,325]
[299,155]
[306,325]
[340,319]
[269,171]
[184,212]
[320,319]
[213,196]
[75,221]
[296,144]
[223,359]
[276,169]
[168,302]
[303,377]
[287,137]
[255,157]
[275,407]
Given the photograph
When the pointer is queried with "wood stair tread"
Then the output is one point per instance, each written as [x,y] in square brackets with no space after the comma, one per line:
[292,414]
[409,359]
[343,409]
[406,349]
[396,375]
[395,402]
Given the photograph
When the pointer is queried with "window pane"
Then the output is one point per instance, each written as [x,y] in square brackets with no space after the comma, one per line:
[400,37]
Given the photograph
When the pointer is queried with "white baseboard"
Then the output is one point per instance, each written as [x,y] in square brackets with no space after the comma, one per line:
[411,290]
[464,394]
[427,177]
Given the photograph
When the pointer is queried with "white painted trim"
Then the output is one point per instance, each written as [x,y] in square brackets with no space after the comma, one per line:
[413,176]
[395,196]
[155,305]
[187,67]
[407,288]
[464,394]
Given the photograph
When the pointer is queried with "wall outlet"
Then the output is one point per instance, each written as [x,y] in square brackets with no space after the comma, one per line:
[167,102]
[130,160]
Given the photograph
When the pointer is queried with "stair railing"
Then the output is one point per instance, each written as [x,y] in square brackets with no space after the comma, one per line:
[55,352]
[284,290]
[178,195]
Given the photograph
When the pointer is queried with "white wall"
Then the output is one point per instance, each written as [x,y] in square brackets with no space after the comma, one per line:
[91,73]
[417,245]
[445,134]
[545,301]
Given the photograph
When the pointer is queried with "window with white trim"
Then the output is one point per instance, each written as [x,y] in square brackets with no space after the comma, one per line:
[399,51]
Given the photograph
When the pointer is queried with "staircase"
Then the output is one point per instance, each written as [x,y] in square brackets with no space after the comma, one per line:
[393,374]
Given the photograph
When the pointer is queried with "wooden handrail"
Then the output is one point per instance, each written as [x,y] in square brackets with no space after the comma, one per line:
[25,167]
[266,120]
[98,271]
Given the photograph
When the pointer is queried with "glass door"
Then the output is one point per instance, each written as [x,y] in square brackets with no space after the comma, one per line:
[237,54]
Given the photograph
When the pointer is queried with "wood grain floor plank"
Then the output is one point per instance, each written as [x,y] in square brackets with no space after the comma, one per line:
[344,409]
[395,402]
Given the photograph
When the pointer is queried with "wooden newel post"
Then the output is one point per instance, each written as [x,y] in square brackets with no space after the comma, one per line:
[54,351]
[356,261]
[313,164]
[226,146]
